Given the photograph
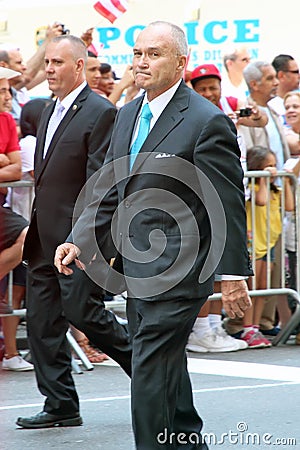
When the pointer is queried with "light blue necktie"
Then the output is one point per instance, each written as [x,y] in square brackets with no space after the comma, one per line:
[143,132]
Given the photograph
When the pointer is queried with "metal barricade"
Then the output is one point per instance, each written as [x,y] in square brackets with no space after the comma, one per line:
[22,312]
[14,185]
[286,331]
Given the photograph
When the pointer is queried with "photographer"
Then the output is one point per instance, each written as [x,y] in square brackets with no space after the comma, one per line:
[206,80]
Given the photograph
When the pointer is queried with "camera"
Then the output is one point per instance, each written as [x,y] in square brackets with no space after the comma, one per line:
[64,30]
[245,112]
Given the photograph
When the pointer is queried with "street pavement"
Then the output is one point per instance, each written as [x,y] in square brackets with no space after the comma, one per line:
[248,399]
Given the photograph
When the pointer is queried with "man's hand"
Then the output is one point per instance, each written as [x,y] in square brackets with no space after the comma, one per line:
[64,255]
[53,30]
[87,36]
[235,297]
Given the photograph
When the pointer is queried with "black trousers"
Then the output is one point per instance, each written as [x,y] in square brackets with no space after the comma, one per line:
[54,300]
[161,393]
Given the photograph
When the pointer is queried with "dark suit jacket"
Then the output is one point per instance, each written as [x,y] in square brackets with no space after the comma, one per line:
[182,205]
[77,150]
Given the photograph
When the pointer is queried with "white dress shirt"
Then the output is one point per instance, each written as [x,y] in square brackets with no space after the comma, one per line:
[157,105]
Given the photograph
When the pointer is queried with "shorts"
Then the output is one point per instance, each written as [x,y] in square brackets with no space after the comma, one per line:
[19,278]
[272,255]
[19,275]
[11,226]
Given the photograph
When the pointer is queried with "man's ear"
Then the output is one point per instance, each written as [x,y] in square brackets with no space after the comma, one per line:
[182,62]
[79,64]
[253,85]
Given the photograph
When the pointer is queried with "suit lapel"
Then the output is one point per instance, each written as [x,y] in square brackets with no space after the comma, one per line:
[74,108]
[41,137]
[169,119]
[61,128]
[126,130]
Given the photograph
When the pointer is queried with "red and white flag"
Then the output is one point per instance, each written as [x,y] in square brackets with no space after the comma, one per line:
[111,9]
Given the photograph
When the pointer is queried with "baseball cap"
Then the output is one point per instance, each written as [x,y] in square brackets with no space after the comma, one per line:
[8,73]
[205,71]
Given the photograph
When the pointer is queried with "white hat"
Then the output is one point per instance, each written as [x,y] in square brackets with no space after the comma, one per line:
[8,73]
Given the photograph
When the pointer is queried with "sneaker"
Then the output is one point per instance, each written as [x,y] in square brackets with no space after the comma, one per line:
[272,332]
[239,343]
[255,339]
[233,327]
[193,344]
[211,342]
[237,335]
[16,364]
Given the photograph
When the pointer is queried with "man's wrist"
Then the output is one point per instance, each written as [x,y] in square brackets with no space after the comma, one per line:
[233,277]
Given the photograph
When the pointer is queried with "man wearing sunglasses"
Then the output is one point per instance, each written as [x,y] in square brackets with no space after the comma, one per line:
[287,71]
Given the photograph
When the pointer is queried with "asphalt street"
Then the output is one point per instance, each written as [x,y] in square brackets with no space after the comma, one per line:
[248,400]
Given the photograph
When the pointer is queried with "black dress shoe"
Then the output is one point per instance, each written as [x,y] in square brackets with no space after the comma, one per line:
[46,420]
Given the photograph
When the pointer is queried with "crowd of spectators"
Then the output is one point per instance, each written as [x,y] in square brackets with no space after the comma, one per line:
[267,90]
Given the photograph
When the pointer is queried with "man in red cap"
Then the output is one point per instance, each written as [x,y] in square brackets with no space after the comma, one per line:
[206,80]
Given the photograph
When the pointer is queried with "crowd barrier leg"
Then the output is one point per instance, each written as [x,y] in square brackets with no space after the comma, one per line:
[73,343]
[75,366]
[80,353]
[22,312]
[287,330]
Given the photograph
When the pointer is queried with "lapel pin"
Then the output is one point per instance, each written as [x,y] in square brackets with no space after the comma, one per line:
[74,107]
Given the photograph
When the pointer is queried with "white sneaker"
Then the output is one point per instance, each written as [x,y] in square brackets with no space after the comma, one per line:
[194,344]
[17,364]
[239,343]
[211,342]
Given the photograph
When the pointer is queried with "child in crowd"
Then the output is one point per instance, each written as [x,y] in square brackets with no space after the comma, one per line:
[261,158]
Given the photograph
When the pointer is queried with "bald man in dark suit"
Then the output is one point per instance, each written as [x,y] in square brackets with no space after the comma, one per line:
[178,216]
